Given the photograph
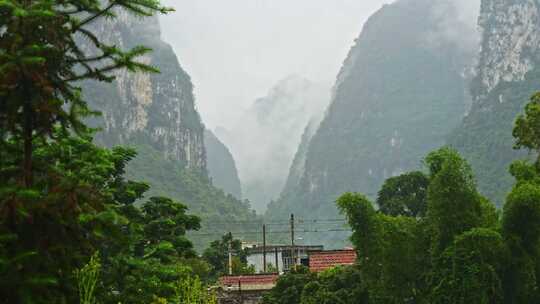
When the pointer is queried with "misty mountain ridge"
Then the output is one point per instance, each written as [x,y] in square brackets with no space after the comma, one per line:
[415,71]
[266,137]
[156,115]
[398,162]
[507,74]
[402,88]
[221,165]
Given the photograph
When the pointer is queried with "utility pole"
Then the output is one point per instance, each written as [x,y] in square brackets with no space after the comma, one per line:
[293,251]
[277,259]
[240,292]
[230,255]
[264,248]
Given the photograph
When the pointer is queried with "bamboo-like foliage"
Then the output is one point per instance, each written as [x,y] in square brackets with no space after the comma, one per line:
[191,291]
[87,279]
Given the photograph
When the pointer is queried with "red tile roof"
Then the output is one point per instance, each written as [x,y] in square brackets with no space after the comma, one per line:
[322,260]
[249,281]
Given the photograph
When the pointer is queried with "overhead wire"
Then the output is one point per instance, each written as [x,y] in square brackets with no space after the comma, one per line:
[303,225]
[273,232]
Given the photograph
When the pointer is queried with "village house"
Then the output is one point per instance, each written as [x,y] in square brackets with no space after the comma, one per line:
[279,257]
[249,289]
[323,260]
[245,289]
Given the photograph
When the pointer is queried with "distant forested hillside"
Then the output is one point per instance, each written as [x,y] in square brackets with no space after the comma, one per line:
[221,165]
[265,138]
[156,114]
[507,74]
[401,89]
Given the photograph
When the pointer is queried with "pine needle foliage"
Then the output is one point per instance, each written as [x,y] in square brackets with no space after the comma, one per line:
[41,64]
[62,198]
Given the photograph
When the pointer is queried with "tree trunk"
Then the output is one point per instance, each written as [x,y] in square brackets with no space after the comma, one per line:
[27,138]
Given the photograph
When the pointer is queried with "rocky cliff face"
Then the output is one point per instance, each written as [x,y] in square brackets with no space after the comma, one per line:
[153,109]
[221,165]
[507,74]
[297,168]
[402,87]
[510,42]
[156,114]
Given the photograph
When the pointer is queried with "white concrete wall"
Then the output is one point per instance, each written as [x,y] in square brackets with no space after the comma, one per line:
[257,260]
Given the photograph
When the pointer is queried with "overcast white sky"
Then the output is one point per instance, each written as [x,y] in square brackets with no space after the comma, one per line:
[236,50]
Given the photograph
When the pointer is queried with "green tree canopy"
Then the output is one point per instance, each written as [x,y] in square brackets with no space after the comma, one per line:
[391,250]
[69,212]
[404,195]
[339,285]
[62,198]
[527,126]
[217,256]
[166,224]
[289,287]
[471,270]
[41,63]
[460,251]
[454,205]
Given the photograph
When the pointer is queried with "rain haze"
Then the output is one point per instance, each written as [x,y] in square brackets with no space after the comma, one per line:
[283,54]
[235,51]
[269,151]
[263,69]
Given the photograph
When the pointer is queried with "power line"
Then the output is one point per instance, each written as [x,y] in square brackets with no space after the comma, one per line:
[245,222]
[260,222]
[272,232]
[272,227]
[304,226]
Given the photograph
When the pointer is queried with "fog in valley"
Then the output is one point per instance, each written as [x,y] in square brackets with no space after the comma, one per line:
[241,54]
[235,51]
[269,151]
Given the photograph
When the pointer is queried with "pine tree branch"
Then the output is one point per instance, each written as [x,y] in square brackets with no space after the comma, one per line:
[74,11]
[96,73]
[91,37]
[89,59]
[95,16]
